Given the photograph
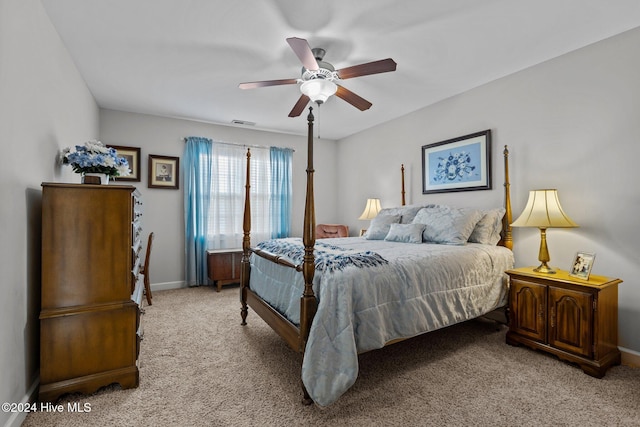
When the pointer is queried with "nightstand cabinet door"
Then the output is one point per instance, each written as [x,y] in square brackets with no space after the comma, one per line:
[570,320]
[528,302]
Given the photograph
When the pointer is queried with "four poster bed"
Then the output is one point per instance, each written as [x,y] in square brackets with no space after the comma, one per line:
[357,294]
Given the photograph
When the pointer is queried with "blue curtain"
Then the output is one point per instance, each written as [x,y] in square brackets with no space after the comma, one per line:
[281,189]
[197,174]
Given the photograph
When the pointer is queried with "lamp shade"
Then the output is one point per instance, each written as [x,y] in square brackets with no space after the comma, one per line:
[543,210]
[371,210]
[318,90]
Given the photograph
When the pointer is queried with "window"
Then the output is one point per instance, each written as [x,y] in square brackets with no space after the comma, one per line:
[214,191]
[226,208]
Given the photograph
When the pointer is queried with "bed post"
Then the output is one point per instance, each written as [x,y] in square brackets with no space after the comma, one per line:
[246,244]
[308,303]
[402,173]
[507,238]
[308,300]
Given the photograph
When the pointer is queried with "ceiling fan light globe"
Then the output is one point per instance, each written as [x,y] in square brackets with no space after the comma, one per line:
[318,90]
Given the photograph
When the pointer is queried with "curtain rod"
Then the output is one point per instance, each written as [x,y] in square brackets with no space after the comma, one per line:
[240,144]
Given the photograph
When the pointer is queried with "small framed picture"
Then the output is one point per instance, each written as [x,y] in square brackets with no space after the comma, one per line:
[581,267]
[132,154]
[164,172]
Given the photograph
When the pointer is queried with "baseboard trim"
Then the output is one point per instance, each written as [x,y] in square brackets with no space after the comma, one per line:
[167,285]
[630,357]
[17,418]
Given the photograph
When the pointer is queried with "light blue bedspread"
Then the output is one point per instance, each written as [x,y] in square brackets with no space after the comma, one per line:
[418,288]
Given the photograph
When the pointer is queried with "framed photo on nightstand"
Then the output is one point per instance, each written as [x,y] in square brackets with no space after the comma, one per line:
[581,267]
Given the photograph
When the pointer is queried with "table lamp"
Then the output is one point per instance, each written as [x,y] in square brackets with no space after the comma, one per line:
[370,211]
[543,210]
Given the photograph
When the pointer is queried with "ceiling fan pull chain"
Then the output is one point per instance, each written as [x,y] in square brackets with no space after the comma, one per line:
[318,121]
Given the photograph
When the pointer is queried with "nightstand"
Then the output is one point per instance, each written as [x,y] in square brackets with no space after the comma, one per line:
[223,266]
[576,320]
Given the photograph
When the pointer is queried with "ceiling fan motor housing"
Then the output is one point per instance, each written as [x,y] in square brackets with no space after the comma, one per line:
[325,71]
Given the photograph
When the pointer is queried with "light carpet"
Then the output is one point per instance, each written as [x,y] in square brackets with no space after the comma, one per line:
[199,367]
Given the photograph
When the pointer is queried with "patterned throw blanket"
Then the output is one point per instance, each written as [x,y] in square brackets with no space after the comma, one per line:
[327,257]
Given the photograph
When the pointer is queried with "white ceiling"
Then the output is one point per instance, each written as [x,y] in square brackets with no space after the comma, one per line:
[185,58]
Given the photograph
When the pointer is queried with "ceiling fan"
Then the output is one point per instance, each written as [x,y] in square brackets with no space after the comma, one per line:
[318,79]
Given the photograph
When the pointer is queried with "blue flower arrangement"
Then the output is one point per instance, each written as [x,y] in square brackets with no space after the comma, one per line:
[453,167]
[94,157]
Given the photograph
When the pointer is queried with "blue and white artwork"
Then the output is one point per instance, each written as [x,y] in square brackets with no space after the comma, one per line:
[457,164]
[461,164]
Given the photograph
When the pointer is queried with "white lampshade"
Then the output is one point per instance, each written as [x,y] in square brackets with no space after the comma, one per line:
[318,90]
[371,209]
[543,211]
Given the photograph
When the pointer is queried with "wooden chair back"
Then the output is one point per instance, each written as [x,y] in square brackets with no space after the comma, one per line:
[145,269]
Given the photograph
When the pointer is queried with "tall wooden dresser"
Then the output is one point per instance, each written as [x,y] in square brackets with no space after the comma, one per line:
[90,300]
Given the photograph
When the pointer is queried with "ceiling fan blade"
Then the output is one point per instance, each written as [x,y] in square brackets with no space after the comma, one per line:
[299,107]
[303,52]
[253,85]
[375,67]
[353,99]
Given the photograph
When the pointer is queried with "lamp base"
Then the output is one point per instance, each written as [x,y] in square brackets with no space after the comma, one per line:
[543,255]
[544,268]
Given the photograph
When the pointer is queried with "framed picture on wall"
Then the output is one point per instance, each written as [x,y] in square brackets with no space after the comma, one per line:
[458,164]
[582,264]
[132,154]
[164,172]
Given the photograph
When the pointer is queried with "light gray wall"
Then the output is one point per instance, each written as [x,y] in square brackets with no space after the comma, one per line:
[571,123]
[44,107]
[163,209]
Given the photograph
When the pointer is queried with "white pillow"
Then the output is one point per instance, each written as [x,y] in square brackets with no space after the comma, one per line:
[487,230]
[407,212]
[405,233]
[380,225]
[448,225]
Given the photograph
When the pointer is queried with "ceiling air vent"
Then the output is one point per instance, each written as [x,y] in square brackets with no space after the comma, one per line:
[242,122]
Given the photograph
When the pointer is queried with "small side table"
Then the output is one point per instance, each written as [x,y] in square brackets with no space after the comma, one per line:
[223,266]
[574,319]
